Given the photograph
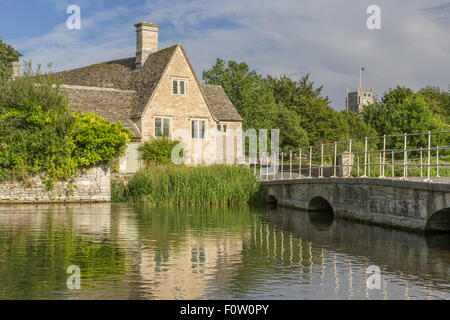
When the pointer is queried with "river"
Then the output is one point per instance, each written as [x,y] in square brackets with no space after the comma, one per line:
[239,252]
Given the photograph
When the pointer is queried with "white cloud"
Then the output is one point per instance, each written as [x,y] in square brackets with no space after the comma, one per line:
[328,39]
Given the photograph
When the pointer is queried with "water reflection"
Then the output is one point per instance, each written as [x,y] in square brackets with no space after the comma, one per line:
[211,253]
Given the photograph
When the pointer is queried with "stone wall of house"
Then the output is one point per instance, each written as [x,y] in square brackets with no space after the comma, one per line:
[229,143]
[90,186]
[181,110]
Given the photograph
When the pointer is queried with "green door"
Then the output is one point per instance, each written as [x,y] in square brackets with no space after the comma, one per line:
[132,154]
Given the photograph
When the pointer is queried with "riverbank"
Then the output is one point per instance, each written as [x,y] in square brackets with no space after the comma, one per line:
[182,185]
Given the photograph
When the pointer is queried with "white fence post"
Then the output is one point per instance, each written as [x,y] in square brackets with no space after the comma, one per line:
[365,158]
[437,162]
[290,165]
[352,158]
[428,179]
[405,159]
[282,159]
[310,162]
[321,162]
[421,163]
[300,164]
[275,166]
[358,166]
[335,159]
[384,156]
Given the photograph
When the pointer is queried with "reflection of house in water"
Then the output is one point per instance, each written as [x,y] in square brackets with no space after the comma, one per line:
[181,269]
[184,272]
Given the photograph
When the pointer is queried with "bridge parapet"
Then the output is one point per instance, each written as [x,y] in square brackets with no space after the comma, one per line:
[415,205]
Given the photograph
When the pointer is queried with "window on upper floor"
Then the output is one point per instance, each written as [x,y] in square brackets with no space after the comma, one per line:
[162,127]
[179,87]
[198,128]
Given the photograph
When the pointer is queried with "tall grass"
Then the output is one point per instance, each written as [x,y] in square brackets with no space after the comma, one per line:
[182,185]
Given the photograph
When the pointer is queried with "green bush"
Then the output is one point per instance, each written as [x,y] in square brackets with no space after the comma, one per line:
[98,140]
[182,185]
[39,133]
[35,129]
[158,151]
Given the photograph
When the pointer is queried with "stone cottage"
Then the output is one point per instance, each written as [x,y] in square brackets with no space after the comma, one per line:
[157,94]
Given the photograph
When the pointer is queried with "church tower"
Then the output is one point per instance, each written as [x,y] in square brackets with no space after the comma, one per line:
[357,100]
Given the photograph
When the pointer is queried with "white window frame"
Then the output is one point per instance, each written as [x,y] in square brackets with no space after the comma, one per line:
[162,118]
[206,128]
[178,81]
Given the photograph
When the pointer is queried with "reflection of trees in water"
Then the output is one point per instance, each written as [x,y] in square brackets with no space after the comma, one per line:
[38,243]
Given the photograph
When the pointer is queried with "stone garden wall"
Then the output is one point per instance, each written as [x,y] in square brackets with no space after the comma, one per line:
[92,185]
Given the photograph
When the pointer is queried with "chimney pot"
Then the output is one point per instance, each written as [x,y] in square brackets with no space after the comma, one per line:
[146,42]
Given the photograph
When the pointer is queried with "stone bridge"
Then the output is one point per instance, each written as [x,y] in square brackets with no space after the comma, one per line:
[405,204]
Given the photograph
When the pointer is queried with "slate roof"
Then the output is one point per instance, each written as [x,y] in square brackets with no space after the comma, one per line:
[219,103]
[98,101]
[122,75]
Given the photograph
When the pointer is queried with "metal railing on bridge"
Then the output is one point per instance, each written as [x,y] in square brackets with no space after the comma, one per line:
[384,157]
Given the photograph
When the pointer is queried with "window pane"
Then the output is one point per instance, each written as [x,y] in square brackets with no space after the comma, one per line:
[175,87]
[166,128]
[158,127]
[182,88]
[219,128]
[202,133]
[224,128]
[193,128]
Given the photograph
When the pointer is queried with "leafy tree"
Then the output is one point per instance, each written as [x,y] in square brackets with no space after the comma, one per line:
[7,56]
[403,111]
[247,90]
[292,135]
[397,95]
[438,101]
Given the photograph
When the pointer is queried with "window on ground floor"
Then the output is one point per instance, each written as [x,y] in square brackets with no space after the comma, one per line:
[162,127]
[198,129]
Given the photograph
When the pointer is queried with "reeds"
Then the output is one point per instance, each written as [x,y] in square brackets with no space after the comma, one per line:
[182,185]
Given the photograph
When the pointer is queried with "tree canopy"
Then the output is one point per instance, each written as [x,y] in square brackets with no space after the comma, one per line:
[7,56]
[297,108]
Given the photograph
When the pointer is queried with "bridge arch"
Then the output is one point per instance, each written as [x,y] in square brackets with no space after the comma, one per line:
[439,221]
[319,203]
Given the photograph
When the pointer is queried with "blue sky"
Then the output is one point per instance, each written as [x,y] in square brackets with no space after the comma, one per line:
[326,38]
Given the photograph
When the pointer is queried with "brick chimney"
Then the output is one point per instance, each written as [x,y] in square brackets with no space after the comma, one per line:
[16,69]
[146,42]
